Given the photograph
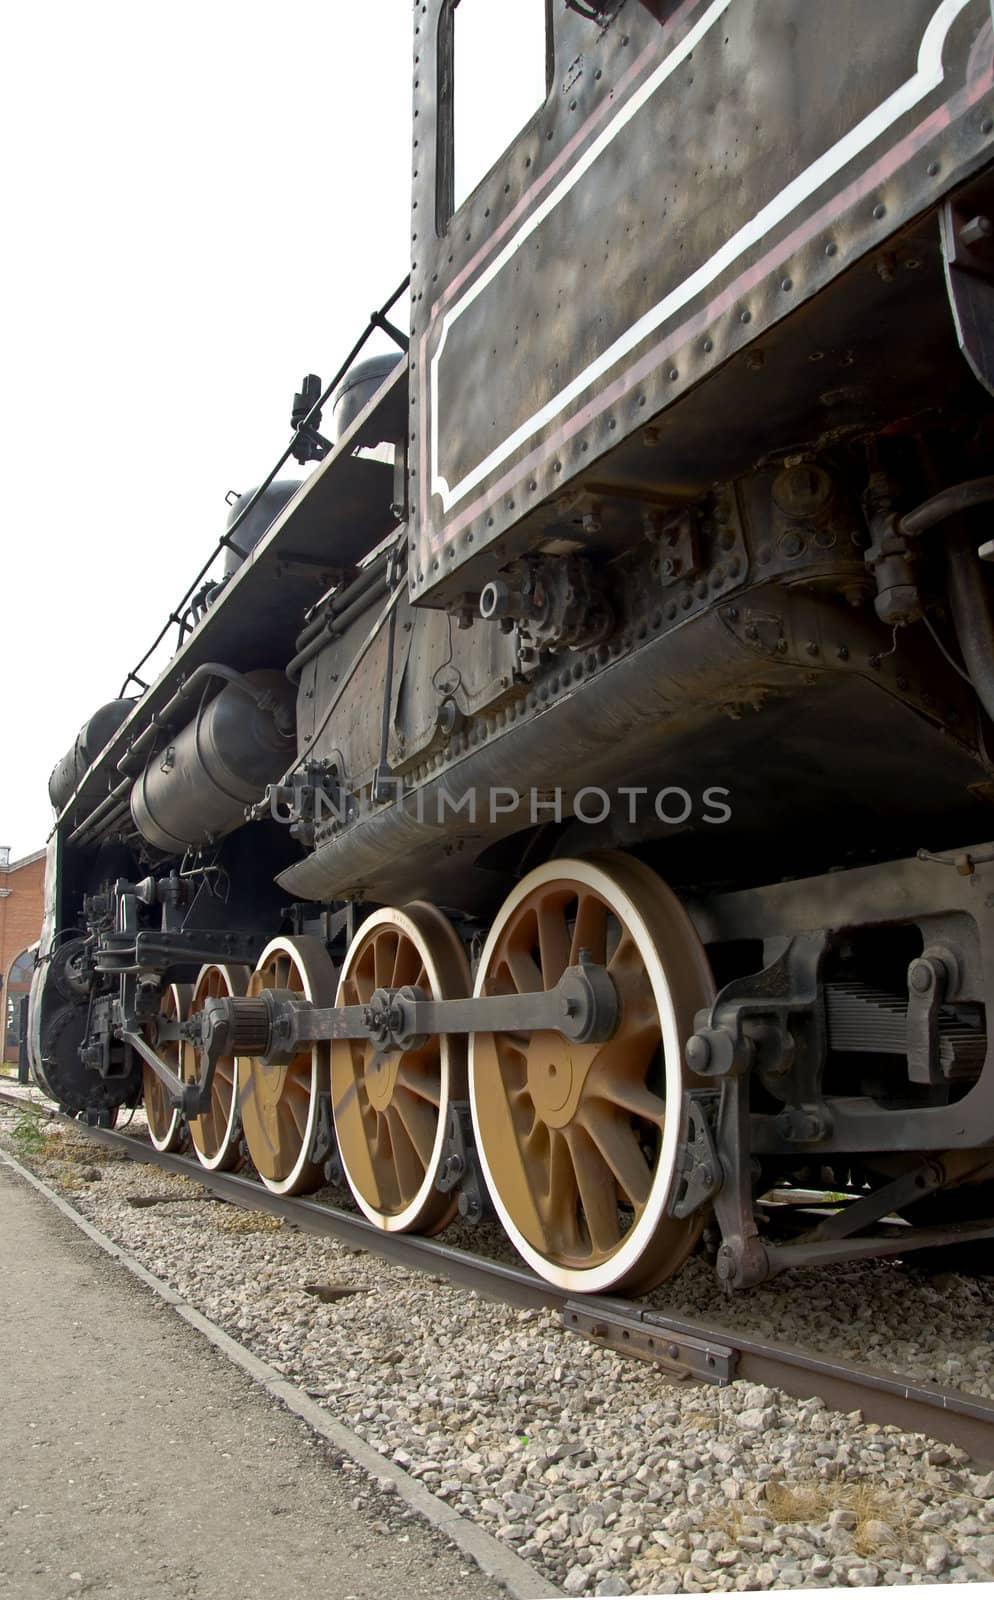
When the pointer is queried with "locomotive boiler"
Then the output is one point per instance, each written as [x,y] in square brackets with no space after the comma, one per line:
[574,799]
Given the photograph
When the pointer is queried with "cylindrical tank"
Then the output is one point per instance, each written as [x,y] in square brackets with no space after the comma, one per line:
[357,388]
[262,515]
[197,787]
[90,740]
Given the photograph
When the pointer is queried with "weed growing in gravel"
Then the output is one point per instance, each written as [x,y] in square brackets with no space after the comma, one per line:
[28,1132]
[63,1144]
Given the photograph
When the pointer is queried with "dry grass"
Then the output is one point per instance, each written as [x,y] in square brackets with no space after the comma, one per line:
[702,1420]
[810,1504]
[62,1144]
[231,1219]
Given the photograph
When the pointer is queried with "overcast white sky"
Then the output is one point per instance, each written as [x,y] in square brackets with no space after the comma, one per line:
[202,202]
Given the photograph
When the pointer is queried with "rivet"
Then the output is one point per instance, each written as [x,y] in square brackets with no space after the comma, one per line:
[987,126]
[879,211]
[831,249]
[745,316]
[786,284]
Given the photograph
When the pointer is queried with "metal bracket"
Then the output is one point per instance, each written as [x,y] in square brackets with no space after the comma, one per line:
[699,1165]
[460,1168]
[931,979]
[749,1026]
[324,1147]
[651,1338]
[968,257]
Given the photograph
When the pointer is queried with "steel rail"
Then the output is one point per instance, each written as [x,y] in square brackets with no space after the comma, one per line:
[683,1349]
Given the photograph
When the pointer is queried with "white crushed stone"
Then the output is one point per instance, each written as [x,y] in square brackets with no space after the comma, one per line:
[605,1475]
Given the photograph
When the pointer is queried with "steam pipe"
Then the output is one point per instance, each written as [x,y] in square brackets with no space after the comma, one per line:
[334,626]
[947,503]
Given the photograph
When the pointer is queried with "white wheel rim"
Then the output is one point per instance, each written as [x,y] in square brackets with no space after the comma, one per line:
[179,996]
[296,952]
[234,979]
[624,1262]
[408,1216]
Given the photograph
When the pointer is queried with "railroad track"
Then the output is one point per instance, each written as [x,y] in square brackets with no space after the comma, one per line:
[685,1350]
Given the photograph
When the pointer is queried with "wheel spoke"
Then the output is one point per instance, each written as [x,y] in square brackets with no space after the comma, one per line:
[589,930]
[525,971]
[628,1095]
[427,1085]
[598,1198]
[616,1141]
[554,944]
[420,1124]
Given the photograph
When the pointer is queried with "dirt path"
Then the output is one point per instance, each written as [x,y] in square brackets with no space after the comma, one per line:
[136,1463]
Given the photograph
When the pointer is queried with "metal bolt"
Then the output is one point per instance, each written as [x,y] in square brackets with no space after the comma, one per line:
[697,1053]
[921,977]
[976,230]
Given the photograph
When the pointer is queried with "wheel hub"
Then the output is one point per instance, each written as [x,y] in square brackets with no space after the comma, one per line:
[557,1074]
[380,1074]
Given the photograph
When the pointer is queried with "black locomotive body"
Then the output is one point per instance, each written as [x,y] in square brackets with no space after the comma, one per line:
[575,793]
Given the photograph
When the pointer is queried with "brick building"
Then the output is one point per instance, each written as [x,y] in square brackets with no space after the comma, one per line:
[22,895]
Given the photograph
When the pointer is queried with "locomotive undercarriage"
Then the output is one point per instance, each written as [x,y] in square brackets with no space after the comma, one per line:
[597,1038]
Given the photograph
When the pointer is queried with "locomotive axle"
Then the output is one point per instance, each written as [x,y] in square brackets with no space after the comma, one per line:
[582,1007]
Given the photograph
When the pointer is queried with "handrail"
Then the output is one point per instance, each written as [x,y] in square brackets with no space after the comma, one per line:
[377,320]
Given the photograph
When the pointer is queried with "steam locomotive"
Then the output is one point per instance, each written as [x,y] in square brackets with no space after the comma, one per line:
[574,797]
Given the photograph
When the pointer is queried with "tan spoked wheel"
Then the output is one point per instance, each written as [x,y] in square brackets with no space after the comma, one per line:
[578,1143]
[165,1122]
[216,1134]
[280,1103]
[391,1108]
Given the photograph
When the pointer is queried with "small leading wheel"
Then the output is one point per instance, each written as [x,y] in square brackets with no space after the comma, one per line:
[165,1122]
[280,1103]
[579,1143]
[391,1108]
[217,1131]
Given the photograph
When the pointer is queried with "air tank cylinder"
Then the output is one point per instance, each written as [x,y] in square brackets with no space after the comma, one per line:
[90,740]
[196,788]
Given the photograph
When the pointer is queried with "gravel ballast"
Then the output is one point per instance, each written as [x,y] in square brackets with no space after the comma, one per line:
[605,1475]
